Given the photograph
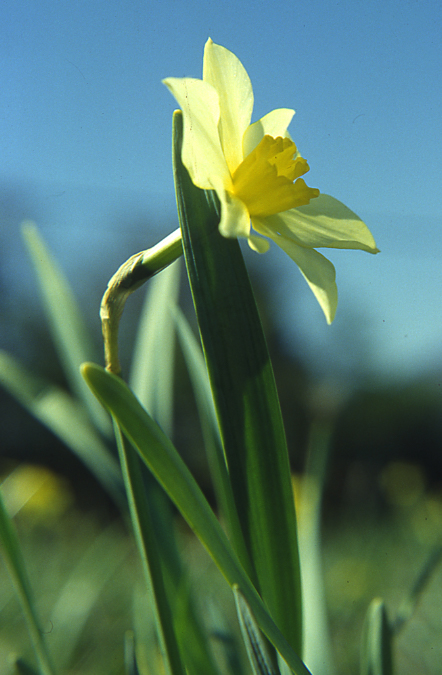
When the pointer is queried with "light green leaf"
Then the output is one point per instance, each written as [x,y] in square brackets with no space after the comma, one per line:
[151,376]
[130,659]
[256,648]
[150,556]
[376,654]
[16,568]
[317,647]
[66,418]
[212,442]
[68,329]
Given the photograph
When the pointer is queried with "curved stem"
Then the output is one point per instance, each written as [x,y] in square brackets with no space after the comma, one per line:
[130,276]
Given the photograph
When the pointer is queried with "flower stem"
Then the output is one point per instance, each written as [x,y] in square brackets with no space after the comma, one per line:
[130,276]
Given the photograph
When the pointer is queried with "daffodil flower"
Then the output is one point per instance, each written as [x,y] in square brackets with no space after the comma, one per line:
[256,172]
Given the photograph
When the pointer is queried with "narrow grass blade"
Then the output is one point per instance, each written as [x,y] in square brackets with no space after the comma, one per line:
[203,395]
[130,659]
[409,603]
[151,377]
[150,557]
[191,630]
[226,643]
[67,419]
[245,396]
[71,338]
[376,653]
[144,631]
[160,456]
[256,648]
[317,651]
[76,599]
[16,568]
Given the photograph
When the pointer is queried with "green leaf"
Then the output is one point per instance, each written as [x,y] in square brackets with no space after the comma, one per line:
[256,648]
[212,442]
[151,377]
[23,668]
[246,400]
[376,654]
[66,418]
[150,556]
[16,568]
[130,659]
[160,456]
[68,329]
[318,652]
[412,598]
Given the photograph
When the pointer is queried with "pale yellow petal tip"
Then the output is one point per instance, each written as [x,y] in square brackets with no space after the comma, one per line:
[330,317]
[329,312]
[258,244]
[167,81]
[328,304]
[371,247]
[209,45]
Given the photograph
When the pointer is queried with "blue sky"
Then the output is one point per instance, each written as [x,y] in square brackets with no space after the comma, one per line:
[85,127]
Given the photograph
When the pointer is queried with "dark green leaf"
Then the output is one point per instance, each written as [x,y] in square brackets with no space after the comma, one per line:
[246,401]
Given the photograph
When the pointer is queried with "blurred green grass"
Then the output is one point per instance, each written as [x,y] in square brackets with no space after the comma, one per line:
[87,580]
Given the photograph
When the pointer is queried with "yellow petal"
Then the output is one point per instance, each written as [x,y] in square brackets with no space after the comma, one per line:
[319,272]
[275,124]
[324,222]
[225,72]
[202,154]
[258,244]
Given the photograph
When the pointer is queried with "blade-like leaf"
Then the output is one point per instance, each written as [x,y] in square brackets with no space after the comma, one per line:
[67,419]
[376,653]
[130,659]
[150,556]
[255,645]
[212,442]
[317,652]
[151,377]
[16,567]
[163,460]
[68,329]
[412,598]
[246,400]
